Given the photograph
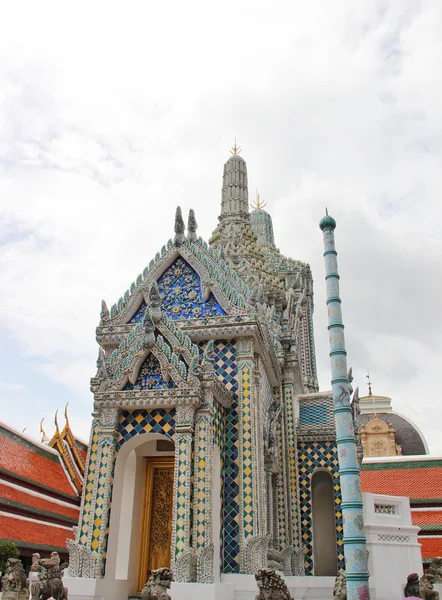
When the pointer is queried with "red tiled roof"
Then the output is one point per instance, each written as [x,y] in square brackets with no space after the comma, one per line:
[25,498]
[31,533]
[417,483]
[431,547]
[427,517]
[21,457]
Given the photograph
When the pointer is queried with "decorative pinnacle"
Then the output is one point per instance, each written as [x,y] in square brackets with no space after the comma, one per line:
[44,437]
[327,222]
[368,382]
[259,203]
[235,149]
[56,421]
[66,412]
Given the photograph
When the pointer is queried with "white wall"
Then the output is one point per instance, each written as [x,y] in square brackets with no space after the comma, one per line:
[394,551]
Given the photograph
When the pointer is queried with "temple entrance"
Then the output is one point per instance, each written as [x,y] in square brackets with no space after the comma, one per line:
[156,524]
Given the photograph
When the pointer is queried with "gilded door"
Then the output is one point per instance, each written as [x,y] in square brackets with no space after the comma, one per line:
[156,532]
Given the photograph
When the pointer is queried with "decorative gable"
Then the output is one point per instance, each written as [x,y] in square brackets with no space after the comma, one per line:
[150,377]
[181,293]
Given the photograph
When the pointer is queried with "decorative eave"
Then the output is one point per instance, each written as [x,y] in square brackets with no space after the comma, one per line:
[58,443]
[215,274]
[315,434]
[132,399]
[67,435]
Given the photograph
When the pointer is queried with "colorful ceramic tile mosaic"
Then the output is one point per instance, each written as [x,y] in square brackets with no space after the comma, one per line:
[86,530]
[313,414]
[139,315]
[157,420]
[150,377]
[247,439]
[311,456]
[226,370]
[181,295]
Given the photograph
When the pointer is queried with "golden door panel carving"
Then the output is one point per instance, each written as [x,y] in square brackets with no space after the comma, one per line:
[156,533]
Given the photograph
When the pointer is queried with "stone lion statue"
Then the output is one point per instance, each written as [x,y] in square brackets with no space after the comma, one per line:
[435,569]
[158,584]
[426,590]
[271,586]
[14,583]
[340,589]
[49,584]
[412,586]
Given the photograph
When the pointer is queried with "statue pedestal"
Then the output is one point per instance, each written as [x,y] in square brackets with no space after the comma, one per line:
[24,595]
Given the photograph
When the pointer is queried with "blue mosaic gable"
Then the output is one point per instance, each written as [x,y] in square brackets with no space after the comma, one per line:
[150,377]
[180,290]
[313,414]
[139,315]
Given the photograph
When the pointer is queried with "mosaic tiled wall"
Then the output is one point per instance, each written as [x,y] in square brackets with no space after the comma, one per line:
[316,411]
[227,371]
[315,414]
[157,420]
[91,477]
[311,456]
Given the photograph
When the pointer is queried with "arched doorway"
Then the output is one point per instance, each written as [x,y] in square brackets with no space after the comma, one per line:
[143,484]
[324,524]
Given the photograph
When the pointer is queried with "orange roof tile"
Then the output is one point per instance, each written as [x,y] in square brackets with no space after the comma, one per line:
[427,517]
[23,497]
[417,483]
[431,546]
[26,532]
[22,458]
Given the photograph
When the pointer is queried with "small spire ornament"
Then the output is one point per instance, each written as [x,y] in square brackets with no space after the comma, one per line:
[258,203]
[235,149]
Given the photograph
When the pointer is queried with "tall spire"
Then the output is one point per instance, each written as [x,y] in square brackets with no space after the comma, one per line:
[356,568]
[235,196]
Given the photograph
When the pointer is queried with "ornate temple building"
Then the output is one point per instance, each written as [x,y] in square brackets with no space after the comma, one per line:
[40,490]
[211,447]
[212,450]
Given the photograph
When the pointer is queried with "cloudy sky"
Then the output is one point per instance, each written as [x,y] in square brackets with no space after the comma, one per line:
[113,114]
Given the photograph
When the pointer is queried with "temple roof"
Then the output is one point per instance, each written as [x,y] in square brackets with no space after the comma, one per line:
[33,534]
[33,463]
[431,547]
[420,478]
[39,503]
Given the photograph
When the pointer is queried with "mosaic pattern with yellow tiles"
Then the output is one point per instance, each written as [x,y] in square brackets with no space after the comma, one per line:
[291,450]
[312,455]
[281,506]
[247,440]
[157,420]
[183,472]
[202,512]
[85,534]
[102,506]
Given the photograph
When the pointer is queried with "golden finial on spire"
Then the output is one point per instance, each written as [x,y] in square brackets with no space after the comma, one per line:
[259,203]
[66,413]
[236,149]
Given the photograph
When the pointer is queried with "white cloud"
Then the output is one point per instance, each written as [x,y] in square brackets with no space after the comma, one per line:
[109,118]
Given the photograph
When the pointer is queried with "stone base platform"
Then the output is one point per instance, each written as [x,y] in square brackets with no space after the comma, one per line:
[232,587]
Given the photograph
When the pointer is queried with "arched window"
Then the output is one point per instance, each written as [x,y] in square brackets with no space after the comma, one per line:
[324,524]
